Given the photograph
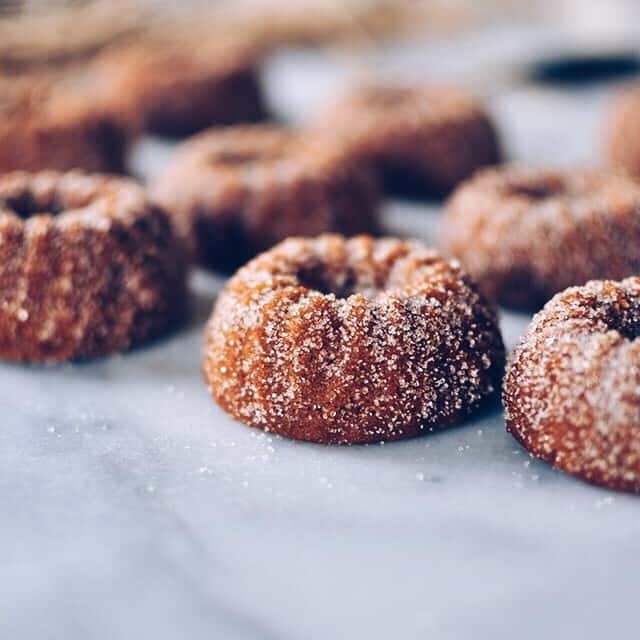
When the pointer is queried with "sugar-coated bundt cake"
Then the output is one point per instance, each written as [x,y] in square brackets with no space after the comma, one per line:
[356,340]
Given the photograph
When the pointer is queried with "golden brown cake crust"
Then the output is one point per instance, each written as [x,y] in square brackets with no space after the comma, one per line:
[526,233]
[59,119]
[622,132]
[572,388]
[87,266]
[176,84]
[351,341]
[420,139]
[238,191]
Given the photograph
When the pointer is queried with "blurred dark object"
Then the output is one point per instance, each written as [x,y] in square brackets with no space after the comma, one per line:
[585,68]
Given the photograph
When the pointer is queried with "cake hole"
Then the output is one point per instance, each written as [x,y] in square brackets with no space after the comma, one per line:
[26,206]
[626,321]
[630,332]
[318,279]
[537,190]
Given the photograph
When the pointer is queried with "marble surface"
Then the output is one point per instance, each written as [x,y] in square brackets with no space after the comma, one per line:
[132,507]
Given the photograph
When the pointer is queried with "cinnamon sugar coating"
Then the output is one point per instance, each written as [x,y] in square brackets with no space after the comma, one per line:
[59,119]
[421,140]
[237,191]
[526,233]
[87,266]
[358,340]
[179,82]
[572,388]
[622,132]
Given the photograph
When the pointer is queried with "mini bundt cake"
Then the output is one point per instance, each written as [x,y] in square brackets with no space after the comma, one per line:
[237,191]
[59,119]
[526,233]
[572,388]
[180,81]
[358,340]
[622,132]
[87,266]
[422,140]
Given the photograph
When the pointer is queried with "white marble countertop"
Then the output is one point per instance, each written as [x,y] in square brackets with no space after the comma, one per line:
[132,507]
